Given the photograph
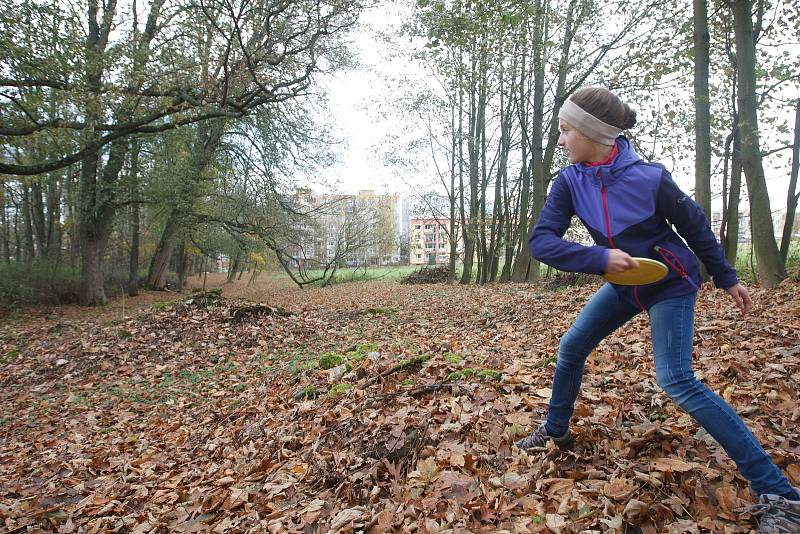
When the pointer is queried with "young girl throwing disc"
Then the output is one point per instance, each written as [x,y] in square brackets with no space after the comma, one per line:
[628,206]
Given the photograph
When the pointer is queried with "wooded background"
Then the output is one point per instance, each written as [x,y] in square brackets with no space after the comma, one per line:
[145,138]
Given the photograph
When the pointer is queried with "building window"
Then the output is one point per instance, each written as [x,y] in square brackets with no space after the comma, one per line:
[417,226]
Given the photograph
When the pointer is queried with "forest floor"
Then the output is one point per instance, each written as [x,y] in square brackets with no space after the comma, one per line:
[173,414]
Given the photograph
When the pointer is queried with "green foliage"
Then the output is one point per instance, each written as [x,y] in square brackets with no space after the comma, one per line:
[490,374]
[449,357]
[461,375]
[339,389]
[9,357]
[514,430]
[161,306]
[359,352]
[329,360]
[344,276]
[24,284]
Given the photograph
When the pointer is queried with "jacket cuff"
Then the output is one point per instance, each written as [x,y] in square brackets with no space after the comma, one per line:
[726,280]
[601,260]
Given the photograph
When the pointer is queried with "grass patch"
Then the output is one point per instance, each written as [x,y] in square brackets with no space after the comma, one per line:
[9,357]
[329,360]
[359,274]
[340,389]
[359,352]
[514,431]
[544,362]
[449,357]
[489,374]
[468,372]
[463,374]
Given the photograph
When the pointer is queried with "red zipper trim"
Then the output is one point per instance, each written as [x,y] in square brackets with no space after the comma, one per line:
[677,265]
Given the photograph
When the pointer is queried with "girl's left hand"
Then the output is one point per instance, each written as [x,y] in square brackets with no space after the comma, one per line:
[741,297]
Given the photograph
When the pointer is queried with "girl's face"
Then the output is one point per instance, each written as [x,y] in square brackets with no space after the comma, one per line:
[580,149]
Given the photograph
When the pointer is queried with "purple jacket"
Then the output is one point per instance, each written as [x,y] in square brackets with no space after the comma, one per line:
[629,204]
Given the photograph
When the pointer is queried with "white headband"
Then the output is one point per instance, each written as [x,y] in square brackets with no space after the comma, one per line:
[588,124]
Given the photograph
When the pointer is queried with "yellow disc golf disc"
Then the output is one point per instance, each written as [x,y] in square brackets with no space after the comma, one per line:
[647,272]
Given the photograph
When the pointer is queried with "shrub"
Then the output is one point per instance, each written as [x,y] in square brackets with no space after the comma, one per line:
[38,283]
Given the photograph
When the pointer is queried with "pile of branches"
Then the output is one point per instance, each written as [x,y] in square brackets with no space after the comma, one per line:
[427,275]
[202,299]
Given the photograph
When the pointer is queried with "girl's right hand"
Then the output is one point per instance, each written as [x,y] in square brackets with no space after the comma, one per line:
[619,261]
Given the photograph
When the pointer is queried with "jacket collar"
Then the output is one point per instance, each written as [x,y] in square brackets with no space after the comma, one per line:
[611,172]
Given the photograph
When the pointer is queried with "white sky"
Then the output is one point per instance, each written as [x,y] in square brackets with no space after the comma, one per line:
[357,95]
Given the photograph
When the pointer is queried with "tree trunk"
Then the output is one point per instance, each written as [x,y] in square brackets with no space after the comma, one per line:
[791,195]
[92,291]
[538,172]
[233,267]
[522,259]
[182,264]
[96,217]
[454,162]
[469,226]
[770,266]
[38,217]
[729,226]
[157,274]
[133,263]
[5,235]
[27,226]
[702,113]
[95,199]
[53,222]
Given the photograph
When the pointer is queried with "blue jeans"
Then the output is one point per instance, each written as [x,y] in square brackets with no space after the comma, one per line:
[672,330]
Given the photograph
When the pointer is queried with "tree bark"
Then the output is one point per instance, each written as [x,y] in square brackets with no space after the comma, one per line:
[770,266]
[791,195]
[702,113]
[133,263]
[522,259]
[5,234]
[28,252]
[729,226]
[476,103]
[181,265]
[38,217]
[95,210]
[53,221]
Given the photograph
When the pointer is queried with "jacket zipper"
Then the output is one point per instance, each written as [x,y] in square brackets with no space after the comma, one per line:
[605,209]
[676,265]
[608,231]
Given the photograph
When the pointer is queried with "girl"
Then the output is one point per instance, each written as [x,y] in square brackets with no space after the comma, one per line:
[628,205]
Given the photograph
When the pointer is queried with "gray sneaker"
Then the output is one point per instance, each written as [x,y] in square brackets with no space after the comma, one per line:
[776,514]
[539,437]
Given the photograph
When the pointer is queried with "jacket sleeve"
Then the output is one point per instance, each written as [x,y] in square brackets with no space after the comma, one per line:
[546,243]
[691,223]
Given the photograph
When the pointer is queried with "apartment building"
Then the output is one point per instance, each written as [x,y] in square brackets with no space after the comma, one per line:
[429,242]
